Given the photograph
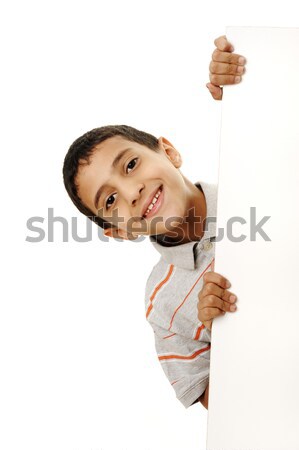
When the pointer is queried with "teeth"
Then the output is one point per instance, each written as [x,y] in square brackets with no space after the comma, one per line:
[152,203]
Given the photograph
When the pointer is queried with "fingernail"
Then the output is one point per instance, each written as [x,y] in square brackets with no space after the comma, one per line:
[228,284]
[232,298]
[240,69]
[242,60]
[233,308]
[237,79]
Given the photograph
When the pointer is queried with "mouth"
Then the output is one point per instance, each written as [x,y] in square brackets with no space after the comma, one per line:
[155,203]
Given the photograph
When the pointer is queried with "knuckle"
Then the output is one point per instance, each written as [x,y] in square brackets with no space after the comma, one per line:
[229,69]
[204,303]
[212,66]
[201,296]
[206,277]
[202,315]
[213,78]
[215,54]
[230,58]
[210,300]
[209,287]
[209,312]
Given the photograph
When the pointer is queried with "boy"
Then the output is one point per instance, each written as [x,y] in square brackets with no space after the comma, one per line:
[129,183]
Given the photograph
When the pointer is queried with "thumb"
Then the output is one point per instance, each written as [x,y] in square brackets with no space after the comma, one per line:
[215,91]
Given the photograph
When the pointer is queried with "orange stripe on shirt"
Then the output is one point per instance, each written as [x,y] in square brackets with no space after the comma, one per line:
[194,355]
[188,295]
[198,332]
[157,288]
[170,335]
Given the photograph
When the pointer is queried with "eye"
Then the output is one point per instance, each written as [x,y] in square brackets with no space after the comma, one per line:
[130,163]
[108,200]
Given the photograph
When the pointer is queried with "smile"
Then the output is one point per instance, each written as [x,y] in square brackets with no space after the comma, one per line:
[155,204]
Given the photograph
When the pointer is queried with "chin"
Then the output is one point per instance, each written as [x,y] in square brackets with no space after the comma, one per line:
[174,219]
[163,228]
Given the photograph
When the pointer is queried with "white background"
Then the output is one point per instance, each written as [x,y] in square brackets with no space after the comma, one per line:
[78,364]
[254,367]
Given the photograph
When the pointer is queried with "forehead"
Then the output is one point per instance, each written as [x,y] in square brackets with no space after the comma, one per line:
[104,153]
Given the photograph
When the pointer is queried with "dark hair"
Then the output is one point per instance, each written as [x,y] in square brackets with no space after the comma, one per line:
[80,152]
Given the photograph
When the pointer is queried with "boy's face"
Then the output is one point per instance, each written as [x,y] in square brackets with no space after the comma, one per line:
[121,192]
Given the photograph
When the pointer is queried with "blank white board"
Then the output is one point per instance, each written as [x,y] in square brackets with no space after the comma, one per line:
[254,376]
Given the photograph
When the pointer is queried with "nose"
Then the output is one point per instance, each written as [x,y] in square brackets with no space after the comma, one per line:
[133,192]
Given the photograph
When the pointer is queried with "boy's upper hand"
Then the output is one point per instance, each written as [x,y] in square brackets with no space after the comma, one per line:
[214,298]
[226,67]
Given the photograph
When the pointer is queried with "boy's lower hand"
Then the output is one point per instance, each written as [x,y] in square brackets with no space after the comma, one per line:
[225,68]
[214,299]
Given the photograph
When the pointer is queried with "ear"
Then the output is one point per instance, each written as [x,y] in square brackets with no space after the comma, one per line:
[118,233]
[170,151]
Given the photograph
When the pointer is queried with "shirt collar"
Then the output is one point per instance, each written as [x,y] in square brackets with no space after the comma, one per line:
[184,255]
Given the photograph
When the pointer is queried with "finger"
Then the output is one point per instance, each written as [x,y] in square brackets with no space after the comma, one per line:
[212,301]
[211,313]
[215,91]
[214,277]
[223,44]
[225,68]
[230,58]
[214,289]
[221,80]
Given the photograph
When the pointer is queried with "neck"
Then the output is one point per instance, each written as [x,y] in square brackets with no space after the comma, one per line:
[192,227]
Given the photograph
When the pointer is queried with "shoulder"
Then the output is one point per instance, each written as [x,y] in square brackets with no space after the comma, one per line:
[160,271]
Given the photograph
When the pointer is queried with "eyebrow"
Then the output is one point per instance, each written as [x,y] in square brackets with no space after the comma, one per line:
[114,165]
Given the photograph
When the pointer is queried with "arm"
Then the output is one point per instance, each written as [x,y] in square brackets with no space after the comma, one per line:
[204,399]
[214,300]
[185,363]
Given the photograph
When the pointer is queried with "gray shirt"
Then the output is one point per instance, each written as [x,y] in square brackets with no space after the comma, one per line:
[171,295]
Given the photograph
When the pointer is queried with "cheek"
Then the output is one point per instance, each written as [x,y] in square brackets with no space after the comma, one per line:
[120,217]
[175,206]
